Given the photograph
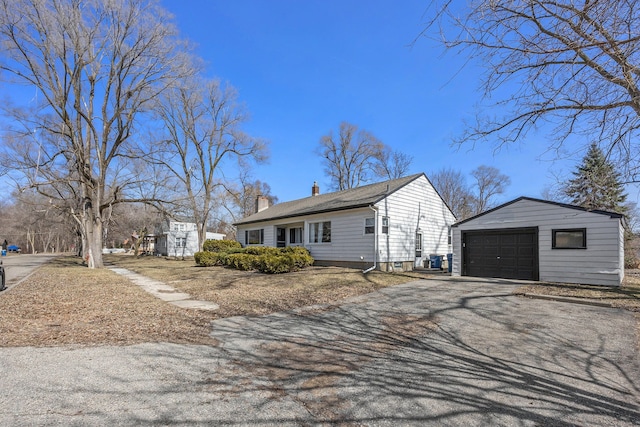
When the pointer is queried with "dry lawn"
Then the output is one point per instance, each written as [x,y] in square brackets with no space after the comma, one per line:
[64,303]
[627,296]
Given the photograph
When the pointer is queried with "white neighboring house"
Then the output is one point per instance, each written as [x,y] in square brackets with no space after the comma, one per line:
[176,238]
[392,225]
[215,236]
[532,239]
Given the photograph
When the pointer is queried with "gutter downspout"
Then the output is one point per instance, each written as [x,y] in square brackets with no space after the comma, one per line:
[375,241]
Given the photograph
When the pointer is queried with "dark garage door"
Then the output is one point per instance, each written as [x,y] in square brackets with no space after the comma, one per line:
[506,253]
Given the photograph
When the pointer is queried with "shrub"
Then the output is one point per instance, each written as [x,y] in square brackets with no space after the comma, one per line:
[241,261]
[284,261]
[262,258]
[207,259]
[261,250]
[273,264]
[299,256]
[220,245]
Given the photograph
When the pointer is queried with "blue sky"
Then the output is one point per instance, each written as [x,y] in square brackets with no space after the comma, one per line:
[302,67]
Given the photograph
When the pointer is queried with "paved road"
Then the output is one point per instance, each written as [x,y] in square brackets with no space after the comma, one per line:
[431,352]
[19,266]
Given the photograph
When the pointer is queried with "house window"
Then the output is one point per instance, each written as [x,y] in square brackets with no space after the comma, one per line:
[183,227]
[176,227]
[385,225]
[254,237]
[575,238]
[320,232]
[369,225]
[181,242]
[418,245]
[295,235]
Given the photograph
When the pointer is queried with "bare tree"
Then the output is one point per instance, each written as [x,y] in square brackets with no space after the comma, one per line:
[244,192]
[392,164]
[350,158]
[489,182]
[203,121]
[575,64]
[466,200]
[96,66]
[454,190]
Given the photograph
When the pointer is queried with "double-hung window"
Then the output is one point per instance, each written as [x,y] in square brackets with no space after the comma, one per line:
[181,242]
[254,237]
[320,232]
[385,225]
[369,225]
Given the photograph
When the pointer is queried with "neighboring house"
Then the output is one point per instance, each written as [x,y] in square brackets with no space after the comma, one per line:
[215,236]
[392,225]
[535,239]
[176,238]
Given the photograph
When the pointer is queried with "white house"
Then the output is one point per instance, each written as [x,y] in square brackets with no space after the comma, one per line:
[176,238]
[392,225]
[535,239]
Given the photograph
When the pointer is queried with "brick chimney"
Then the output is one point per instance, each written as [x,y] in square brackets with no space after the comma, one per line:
[315,190]
[262,203]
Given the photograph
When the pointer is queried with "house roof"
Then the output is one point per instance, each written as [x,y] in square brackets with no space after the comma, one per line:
[329,202]
[564,205]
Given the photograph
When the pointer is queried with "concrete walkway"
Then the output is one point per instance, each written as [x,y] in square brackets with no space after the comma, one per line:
[165,292]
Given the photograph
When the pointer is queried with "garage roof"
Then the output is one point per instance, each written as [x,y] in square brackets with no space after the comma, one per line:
[564,205]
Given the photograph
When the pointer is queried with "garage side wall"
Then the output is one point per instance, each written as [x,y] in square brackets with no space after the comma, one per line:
[601,263]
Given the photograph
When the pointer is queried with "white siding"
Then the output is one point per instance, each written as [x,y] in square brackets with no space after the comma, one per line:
[184,230]
[414,207]
[348,241]
[602,263]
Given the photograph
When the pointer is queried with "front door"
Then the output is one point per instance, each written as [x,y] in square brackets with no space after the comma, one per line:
[281,237]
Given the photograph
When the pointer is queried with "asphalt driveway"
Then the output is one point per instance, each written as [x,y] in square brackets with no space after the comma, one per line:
[431,352]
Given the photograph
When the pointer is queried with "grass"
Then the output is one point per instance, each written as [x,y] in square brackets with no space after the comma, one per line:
[626,296]
[252,293]
[64,303]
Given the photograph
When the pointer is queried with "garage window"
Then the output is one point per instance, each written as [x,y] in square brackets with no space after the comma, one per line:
[574,238]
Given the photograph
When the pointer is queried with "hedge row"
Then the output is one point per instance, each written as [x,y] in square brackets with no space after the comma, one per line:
[220,245]
[261,258]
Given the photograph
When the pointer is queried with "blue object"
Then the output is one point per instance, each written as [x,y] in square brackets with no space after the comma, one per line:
[13,248]
[436,261]
[4,252]
[449,261]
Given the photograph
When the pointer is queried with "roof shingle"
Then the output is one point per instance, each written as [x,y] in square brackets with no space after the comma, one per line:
[339,200]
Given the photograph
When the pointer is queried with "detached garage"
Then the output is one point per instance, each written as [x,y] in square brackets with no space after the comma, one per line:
[531,239]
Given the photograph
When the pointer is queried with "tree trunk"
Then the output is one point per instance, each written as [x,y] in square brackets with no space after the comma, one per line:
[93,241]
[202,235]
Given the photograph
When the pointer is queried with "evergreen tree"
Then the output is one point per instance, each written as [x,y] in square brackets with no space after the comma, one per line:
[596,184]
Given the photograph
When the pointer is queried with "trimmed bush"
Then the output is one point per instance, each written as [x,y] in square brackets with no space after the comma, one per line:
[262,250]
[284,262]
[207,259]
[262,258]
[220,245]
[241,261]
